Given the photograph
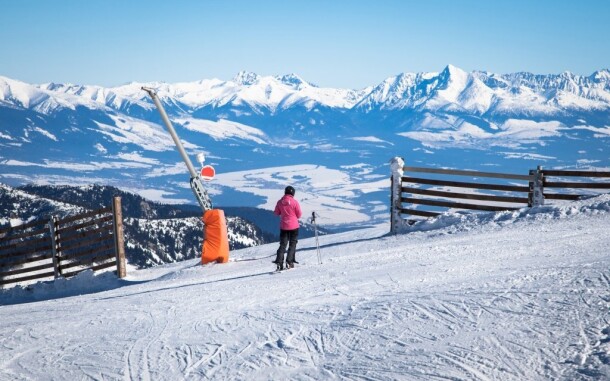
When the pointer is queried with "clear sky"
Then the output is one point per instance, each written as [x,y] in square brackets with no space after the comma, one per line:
[333,43]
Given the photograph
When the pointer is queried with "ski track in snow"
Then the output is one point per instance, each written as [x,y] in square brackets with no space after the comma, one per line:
[525,301]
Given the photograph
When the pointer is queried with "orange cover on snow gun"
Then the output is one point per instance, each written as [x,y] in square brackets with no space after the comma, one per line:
[215,241]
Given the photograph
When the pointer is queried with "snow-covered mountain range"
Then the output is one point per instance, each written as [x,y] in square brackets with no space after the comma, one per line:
[477,92]
[265,132]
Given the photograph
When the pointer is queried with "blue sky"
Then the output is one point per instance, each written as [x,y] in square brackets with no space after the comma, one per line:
[340,43]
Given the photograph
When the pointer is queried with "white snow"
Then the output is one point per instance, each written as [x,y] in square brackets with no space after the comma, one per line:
[371,139]
[24,94]
[100,148]
[329,192]
[223,129]
[250,88]
[158,196]
[452,89]
[45,133]
[137,157]
[512,133]
[599,132]
[167,170]
[510,296]
[70,166]
[456,82]
[41,99]
[526,156]
[149,136]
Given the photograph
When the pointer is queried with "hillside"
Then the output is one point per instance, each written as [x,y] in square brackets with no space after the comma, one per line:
[517,295]
[154,233]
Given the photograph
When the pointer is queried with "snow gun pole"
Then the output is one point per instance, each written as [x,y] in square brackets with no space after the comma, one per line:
[216,240]
[200,193]
[315,228]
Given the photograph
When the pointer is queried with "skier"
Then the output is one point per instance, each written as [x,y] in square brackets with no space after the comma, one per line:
[289,210]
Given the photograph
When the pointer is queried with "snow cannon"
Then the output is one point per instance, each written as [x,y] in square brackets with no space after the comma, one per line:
[215,236]
[215,242]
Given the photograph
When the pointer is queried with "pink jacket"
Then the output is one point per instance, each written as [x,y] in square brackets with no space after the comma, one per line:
[289,211]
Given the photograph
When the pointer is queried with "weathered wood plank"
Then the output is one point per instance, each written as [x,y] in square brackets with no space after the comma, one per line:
[86,261]
[457,172]
[457,205]
[26,243]
[468,196]
[26,278]
[85,234]
[94,268]
[65,248]
[81,216]
[26,270]
[547,172]
[95,250]
[28,251]
[421,213]
[25,234]
[77,227]
[550,184]
[23,261]
[459,184]
[558,196]
[24,226]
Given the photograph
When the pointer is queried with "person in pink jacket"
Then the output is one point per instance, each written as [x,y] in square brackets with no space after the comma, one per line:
[289,210]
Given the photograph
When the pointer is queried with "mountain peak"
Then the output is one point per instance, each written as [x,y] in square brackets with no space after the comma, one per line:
[451,70]
[452,76]
[601,75]
[246,78]
[293,80]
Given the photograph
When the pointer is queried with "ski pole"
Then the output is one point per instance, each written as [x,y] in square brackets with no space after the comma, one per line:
[315,228]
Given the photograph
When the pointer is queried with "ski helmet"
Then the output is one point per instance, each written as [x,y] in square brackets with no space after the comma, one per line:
[289,190]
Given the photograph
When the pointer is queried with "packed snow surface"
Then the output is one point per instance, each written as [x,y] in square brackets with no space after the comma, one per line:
[518,295]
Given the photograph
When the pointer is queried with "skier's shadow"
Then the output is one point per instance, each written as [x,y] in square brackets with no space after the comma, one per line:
[187,285]
[265,273]
[329,245]
[307,249]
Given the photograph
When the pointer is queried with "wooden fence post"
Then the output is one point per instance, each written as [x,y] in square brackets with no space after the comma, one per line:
[54,246]
[119,243]
[396,165]
[536,192]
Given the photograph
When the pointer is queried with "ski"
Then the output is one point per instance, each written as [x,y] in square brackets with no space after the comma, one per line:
[280,268]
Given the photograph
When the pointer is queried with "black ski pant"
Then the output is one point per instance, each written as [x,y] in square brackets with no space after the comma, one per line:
[287,238]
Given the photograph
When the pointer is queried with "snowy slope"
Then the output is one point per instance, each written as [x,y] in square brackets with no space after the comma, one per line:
[510,296]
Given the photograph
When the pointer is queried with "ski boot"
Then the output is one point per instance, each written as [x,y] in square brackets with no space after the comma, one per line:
[278,266]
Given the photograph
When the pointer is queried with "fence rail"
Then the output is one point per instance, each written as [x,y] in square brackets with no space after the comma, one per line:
[435,193]
[91,240]
[467,173]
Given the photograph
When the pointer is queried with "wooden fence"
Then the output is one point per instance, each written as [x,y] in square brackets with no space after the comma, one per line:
[63,247]
[433,193]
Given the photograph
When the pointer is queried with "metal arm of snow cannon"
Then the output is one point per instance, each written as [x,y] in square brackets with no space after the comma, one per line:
[196,185]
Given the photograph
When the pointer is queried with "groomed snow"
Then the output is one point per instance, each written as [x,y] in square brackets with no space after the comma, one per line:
[510,296]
